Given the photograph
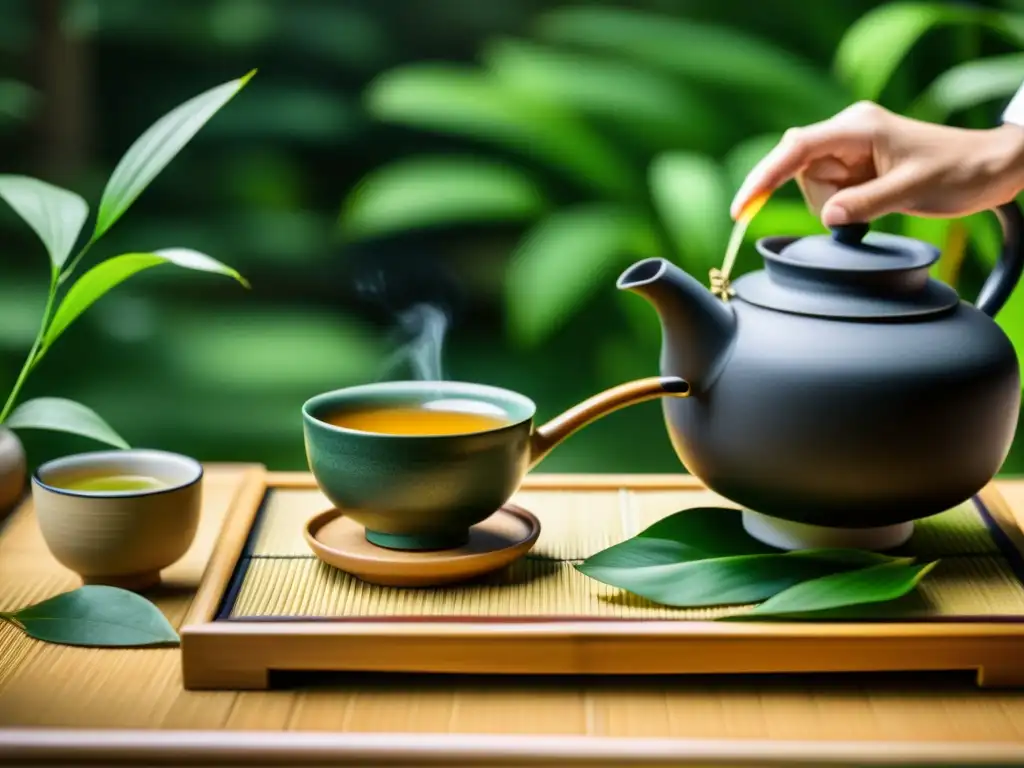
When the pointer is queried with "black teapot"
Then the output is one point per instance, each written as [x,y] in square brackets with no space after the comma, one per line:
[841,392]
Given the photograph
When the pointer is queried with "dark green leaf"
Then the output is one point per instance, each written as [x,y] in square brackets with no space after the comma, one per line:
[156,147]
[433,190]
[715,531]
[60,415]
[878,41]
[718,56]
[644,102]
[96,615]
[969,85]
[690,193]
[563,260]
[468,103]
[724,580]
[107,274]
[876,584]
[55,214]
[643,552]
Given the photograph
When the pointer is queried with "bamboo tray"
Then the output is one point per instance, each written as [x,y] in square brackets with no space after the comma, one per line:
[266,604]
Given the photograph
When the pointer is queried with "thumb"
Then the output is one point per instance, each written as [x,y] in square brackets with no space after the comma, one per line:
[870,200]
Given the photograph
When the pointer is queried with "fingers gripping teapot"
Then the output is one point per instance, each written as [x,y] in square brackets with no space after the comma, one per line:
[840,393]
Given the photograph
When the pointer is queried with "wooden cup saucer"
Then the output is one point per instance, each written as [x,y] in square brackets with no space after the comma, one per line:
[498,541]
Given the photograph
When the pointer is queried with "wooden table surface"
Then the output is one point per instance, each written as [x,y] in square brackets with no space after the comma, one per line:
[128,705]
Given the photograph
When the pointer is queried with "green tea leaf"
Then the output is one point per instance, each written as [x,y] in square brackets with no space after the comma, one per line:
[715,531]
[969,85]
[878,41]
[561,262]
[645,103]
[55,214]
[689,191]
[876,584]
[433,190]
[156,147]
[641,552]
[96,615]
[723,580]
[60,415]
[107,274]
[468,103]
[713,55]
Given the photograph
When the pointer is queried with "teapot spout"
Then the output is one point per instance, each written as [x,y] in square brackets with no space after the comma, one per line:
[550,434]
[697,328]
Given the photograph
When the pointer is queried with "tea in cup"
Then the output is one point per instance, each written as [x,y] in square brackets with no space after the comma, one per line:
[418,463]
[118,517]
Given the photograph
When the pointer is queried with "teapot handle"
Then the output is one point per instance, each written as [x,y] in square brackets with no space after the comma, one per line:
[1004,277]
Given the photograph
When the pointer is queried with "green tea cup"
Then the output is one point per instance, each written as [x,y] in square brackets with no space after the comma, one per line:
[424,492]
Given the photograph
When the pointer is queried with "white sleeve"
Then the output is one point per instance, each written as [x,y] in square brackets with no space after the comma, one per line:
[1014,112]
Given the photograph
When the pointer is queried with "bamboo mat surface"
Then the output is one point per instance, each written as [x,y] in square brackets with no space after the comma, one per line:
[283,578]
[56,686]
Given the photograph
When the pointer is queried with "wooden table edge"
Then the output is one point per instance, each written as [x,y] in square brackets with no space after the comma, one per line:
[150,747]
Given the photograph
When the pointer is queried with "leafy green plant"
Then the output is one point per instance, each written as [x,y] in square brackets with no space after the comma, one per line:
[703,557]
[615,131]
[95,615]
[57,216]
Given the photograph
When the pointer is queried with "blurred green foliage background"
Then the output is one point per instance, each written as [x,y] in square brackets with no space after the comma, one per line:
[502,158]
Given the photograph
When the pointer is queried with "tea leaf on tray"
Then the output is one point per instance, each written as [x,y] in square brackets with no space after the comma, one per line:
[155,148]
[96,615]
[721,580]
[55,214]
[716,531]
[61,415]
[107,274]
[876,584]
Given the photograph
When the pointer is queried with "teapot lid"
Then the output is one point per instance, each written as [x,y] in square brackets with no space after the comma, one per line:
[852,273]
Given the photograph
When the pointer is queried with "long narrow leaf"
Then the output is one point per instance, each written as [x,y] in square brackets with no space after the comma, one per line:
[156,147]
[727,580]
[875,45]
[644,103]
[563,260]
[968,85]
[875,584]
[715,55]
[426,191]
[468,103]
[61,415]
[107,274]
[690,193]
[55,215]
[715,531]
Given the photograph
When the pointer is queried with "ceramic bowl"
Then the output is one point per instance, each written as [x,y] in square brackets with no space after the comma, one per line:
[119,538]
[417,492]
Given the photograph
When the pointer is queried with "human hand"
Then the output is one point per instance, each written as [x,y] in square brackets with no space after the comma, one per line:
[866,162]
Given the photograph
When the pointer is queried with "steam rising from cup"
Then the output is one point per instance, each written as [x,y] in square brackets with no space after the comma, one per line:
[423,327]
[427,326]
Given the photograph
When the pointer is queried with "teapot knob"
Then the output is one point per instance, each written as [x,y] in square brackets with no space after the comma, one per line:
[850,234]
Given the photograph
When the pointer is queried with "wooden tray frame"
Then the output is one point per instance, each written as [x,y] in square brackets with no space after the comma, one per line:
[240,654]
